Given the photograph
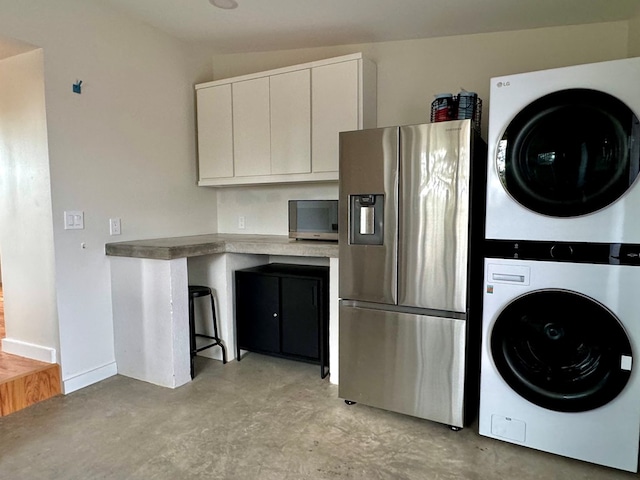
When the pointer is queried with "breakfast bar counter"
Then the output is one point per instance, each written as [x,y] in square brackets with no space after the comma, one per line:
[149,284]
[197,245]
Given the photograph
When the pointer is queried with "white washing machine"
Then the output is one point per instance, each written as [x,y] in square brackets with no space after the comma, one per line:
[557,370]
[564,154]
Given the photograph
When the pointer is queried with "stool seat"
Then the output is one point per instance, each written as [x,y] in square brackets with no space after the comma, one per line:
[199,291]
[196,291]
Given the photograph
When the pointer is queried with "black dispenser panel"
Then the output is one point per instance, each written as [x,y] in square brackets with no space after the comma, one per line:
[366,219]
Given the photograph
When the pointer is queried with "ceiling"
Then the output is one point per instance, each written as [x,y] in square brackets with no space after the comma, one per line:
[259,25]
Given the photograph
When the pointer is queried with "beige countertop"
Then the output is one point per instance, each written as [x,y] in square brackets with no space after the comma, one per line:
[196,245]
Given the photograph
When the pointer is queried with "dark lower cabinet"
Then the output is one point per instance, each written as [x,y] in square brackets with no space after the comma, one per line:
[282,310]
[257,312]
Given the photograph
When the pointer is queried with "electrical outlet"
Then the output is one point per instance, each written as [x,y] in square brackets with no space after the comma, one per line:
[241,222]
[114,226]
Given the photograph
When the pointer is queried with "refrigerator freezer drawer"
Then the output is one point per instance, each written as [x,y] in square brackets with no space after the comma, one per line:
[411,364]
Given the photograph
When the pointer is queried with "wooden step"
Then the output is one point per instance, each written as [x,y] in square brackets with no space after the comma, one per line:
[24,382]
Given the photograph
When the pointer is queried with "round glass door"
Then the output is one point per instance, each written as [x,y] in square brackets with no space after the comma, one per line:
[561,350]
[570,153]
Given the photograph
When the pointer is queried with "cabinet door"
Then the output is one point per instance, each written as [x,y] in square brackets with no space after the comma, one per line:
[300,317]
[257,312]
[251,131]
[215,132]
[291,122]
[334,105]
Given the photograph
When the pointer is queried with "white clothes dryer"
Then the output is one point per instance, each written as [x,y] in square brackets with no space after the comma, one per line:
[557,370]
[564,154]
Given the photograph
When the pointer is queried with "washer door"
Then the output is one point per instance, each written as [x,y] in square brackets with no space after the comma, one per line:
[570,153]
[561,350]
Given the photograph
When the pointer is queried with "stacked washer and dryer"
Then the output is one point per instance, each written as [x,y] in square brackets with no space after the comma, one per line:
[561,313]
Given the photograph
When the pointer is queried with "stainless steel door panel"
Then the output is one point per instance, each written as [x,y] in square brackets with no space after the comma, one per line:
[369,165]
[412,364]
[434,218]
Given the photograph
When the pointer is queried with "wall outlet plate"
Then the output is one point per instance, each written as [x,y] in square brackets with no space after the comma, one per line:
[114,226]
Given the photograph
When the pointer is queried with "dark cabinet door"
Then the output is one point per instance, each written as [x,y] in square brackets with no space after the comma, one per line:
[300,322]
[257,312]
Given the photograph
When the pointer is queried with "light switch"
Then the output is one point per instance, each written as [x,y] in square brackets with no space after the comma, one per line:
[73,220]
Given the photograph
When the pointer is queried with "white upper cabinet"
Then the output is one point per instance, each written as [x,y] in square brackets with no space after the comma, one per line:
[251,128]
[282,126]
[335,109]
[215,132]
[291,122]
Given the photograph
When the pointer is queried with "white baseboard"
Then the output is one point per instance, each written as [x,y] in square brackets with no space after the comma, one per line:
[85,379]
[29,350]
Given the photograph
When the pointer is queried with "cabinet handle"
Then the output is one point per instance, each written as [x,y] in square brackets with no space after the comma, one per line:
[275,315]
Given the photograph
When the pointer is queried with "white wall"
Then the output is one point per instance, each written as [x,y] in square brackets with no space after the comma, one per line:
[634,37]
[26,234]
[265,208]
[409,74]
[123,148]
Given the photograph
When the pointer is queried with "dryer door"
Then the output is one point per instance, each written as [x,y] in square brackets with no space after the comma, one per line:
[570,153]
[561,350]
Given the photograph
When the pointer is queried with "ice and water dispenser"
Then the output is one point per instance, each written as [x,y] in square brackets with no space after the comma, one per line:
[366,219]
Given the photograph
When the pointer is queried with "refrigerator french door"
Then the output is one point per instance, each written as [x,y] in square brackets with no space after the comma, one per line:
[407,268]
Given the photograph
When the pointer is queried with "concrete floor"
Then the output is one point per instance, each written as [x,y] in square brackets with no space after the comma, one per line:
[262,418]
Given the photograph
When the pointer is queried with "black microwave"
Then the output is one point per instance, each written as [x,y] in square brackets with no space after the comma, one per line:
[313,219]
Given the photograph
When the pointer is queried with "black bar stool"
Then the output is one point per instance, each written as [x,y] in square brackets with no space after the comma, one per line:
[194,292]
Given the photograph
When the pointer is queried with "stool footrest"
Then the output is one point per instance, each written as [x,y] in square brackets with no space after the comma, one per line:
[217,342]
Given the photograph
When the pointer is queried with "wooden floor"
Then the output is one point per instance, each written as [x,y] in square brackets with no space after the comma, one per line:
[23,381]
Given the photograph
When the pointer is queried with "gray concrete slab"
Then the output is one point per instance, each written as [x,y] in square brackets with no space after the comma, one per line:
[261,418]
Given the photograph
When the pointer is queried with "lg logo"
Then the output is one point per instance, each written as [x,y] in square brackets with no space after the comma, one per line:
[503,84]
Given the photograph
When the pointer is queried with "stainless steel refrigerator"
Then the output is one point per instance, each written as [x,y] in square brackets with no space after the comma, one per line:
[410,221]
